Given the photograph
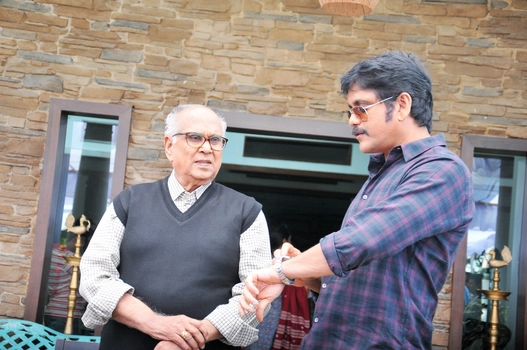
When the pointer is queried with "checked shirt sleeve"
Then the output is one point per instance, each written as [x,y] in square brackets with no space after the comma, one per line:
[254,254]
[100,284]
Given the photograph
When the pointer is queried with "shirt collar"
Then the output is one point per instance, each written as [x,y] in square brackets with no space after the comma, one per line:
[413,149]
[408,150]
[175,188]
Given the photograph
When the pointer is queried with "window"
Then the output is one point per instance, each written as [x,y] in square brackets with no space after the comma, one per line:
[83,170]
[500,196]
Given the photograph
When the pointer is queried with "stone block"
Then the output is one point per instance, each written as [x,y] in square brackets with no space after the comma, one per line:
[12,273]
[102,94]
[16,122]
[82,52]
[142,154]
[156,60]
[281,77]
[122,55]
[185,67]
[243,69]
[440,339]
[11,15]
[473,70]
[82,23]
[6,210]
[87,4]
[23,180]
[44,82]
[267,108]
[19,34]
[140,26]
[216,63]
[455,22]
[45,57]
[26,147]
[81,11]
[468,11]
[159,75]
[291,35]
[158,33]
[517,132]
[472,91]
[421,9]
[44,18]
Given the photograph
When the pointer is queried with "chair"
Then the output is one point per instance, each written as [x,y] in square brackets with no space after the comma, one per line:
[18,334]
[65,344]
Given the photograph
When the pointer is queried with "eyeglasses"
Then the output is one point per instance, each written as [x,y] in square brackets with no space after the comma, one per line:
[361,111]
[197,140]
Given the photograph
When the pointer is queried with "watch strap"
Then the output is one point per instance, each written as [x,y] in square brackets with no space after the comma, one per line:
[280,272]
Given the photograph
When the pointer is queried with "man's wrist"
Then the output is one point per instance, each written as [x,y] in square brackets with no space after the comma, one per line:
[278,268]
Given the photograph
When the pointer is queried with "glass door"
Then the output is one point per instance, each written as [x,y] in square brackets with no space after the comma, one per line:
[498,196]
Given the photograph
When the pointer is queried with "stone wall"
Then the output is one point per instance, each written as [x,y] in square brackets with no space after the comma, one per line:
[260,56]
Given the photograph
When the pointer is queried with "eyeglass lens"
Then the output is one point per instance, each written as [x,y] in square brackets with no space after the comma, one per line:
[197,140]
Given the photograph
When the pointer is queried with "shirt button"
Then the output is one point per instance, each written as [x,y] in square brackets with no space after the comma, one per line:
[324,285]
[316,319]
[365,196]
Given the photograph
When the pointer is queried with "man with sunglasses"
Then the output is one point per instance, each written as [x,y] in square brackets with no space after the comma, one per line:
[379,276]
[166,264]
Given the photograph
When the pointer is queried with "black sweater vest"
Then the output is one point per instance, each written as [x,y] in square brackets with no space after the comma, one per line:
[178,263]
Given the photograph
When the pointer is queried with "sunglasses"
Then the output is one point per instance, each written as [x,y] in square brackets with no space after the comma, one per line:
[361,111]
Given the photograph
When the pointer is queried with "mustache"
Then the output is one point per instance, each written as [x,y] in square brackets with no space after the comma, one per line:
[356,131]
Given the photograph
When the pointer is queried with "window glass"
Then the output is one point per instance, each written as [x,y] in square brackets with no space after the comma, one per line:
[86,172]
[498,190]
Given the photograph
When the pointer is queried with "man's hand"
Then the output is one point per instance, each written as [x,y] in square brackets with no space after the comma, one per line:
[185,332]
[261,288]
[287,249]
[206,330]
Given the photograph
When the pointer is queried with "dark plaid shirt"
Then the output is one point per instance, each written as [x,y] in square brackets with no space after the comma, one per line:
[394,251]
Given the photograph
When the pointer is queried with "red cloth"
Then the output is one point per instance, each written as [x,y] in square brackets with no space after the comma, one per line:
[294,320]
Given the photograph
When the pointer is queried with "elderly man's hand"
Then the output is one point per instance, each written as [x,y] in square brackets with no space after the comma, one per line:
[181,332]
[167,345]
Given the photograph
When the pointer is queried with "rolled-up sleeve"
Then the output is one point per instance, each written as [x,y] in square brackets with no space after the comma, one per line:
[388,216]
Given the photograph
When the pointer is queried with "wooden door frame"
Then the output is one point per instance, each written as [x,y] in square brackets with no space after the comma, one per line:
[42,244]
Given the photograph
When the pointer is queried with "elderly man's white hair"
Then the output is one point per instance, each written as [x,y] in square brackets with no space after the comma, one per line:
[172,121]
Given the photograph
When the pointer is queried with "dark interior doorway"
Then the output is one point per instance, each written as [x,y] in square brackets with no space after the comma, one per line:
[312,206]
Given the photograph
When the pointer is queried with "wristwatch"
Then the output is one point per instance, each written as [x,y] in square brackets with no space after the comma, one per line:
[278,268]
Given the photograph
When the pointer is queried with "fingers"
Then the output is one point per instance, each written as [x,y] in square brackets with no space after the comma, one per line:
[289,250]
[248,301]
[191,338]
[199,333]
[184,332]
[260,309]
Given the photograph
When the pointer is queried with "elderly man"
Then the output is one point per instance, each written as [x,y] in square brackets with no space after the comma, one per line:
[167,262]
